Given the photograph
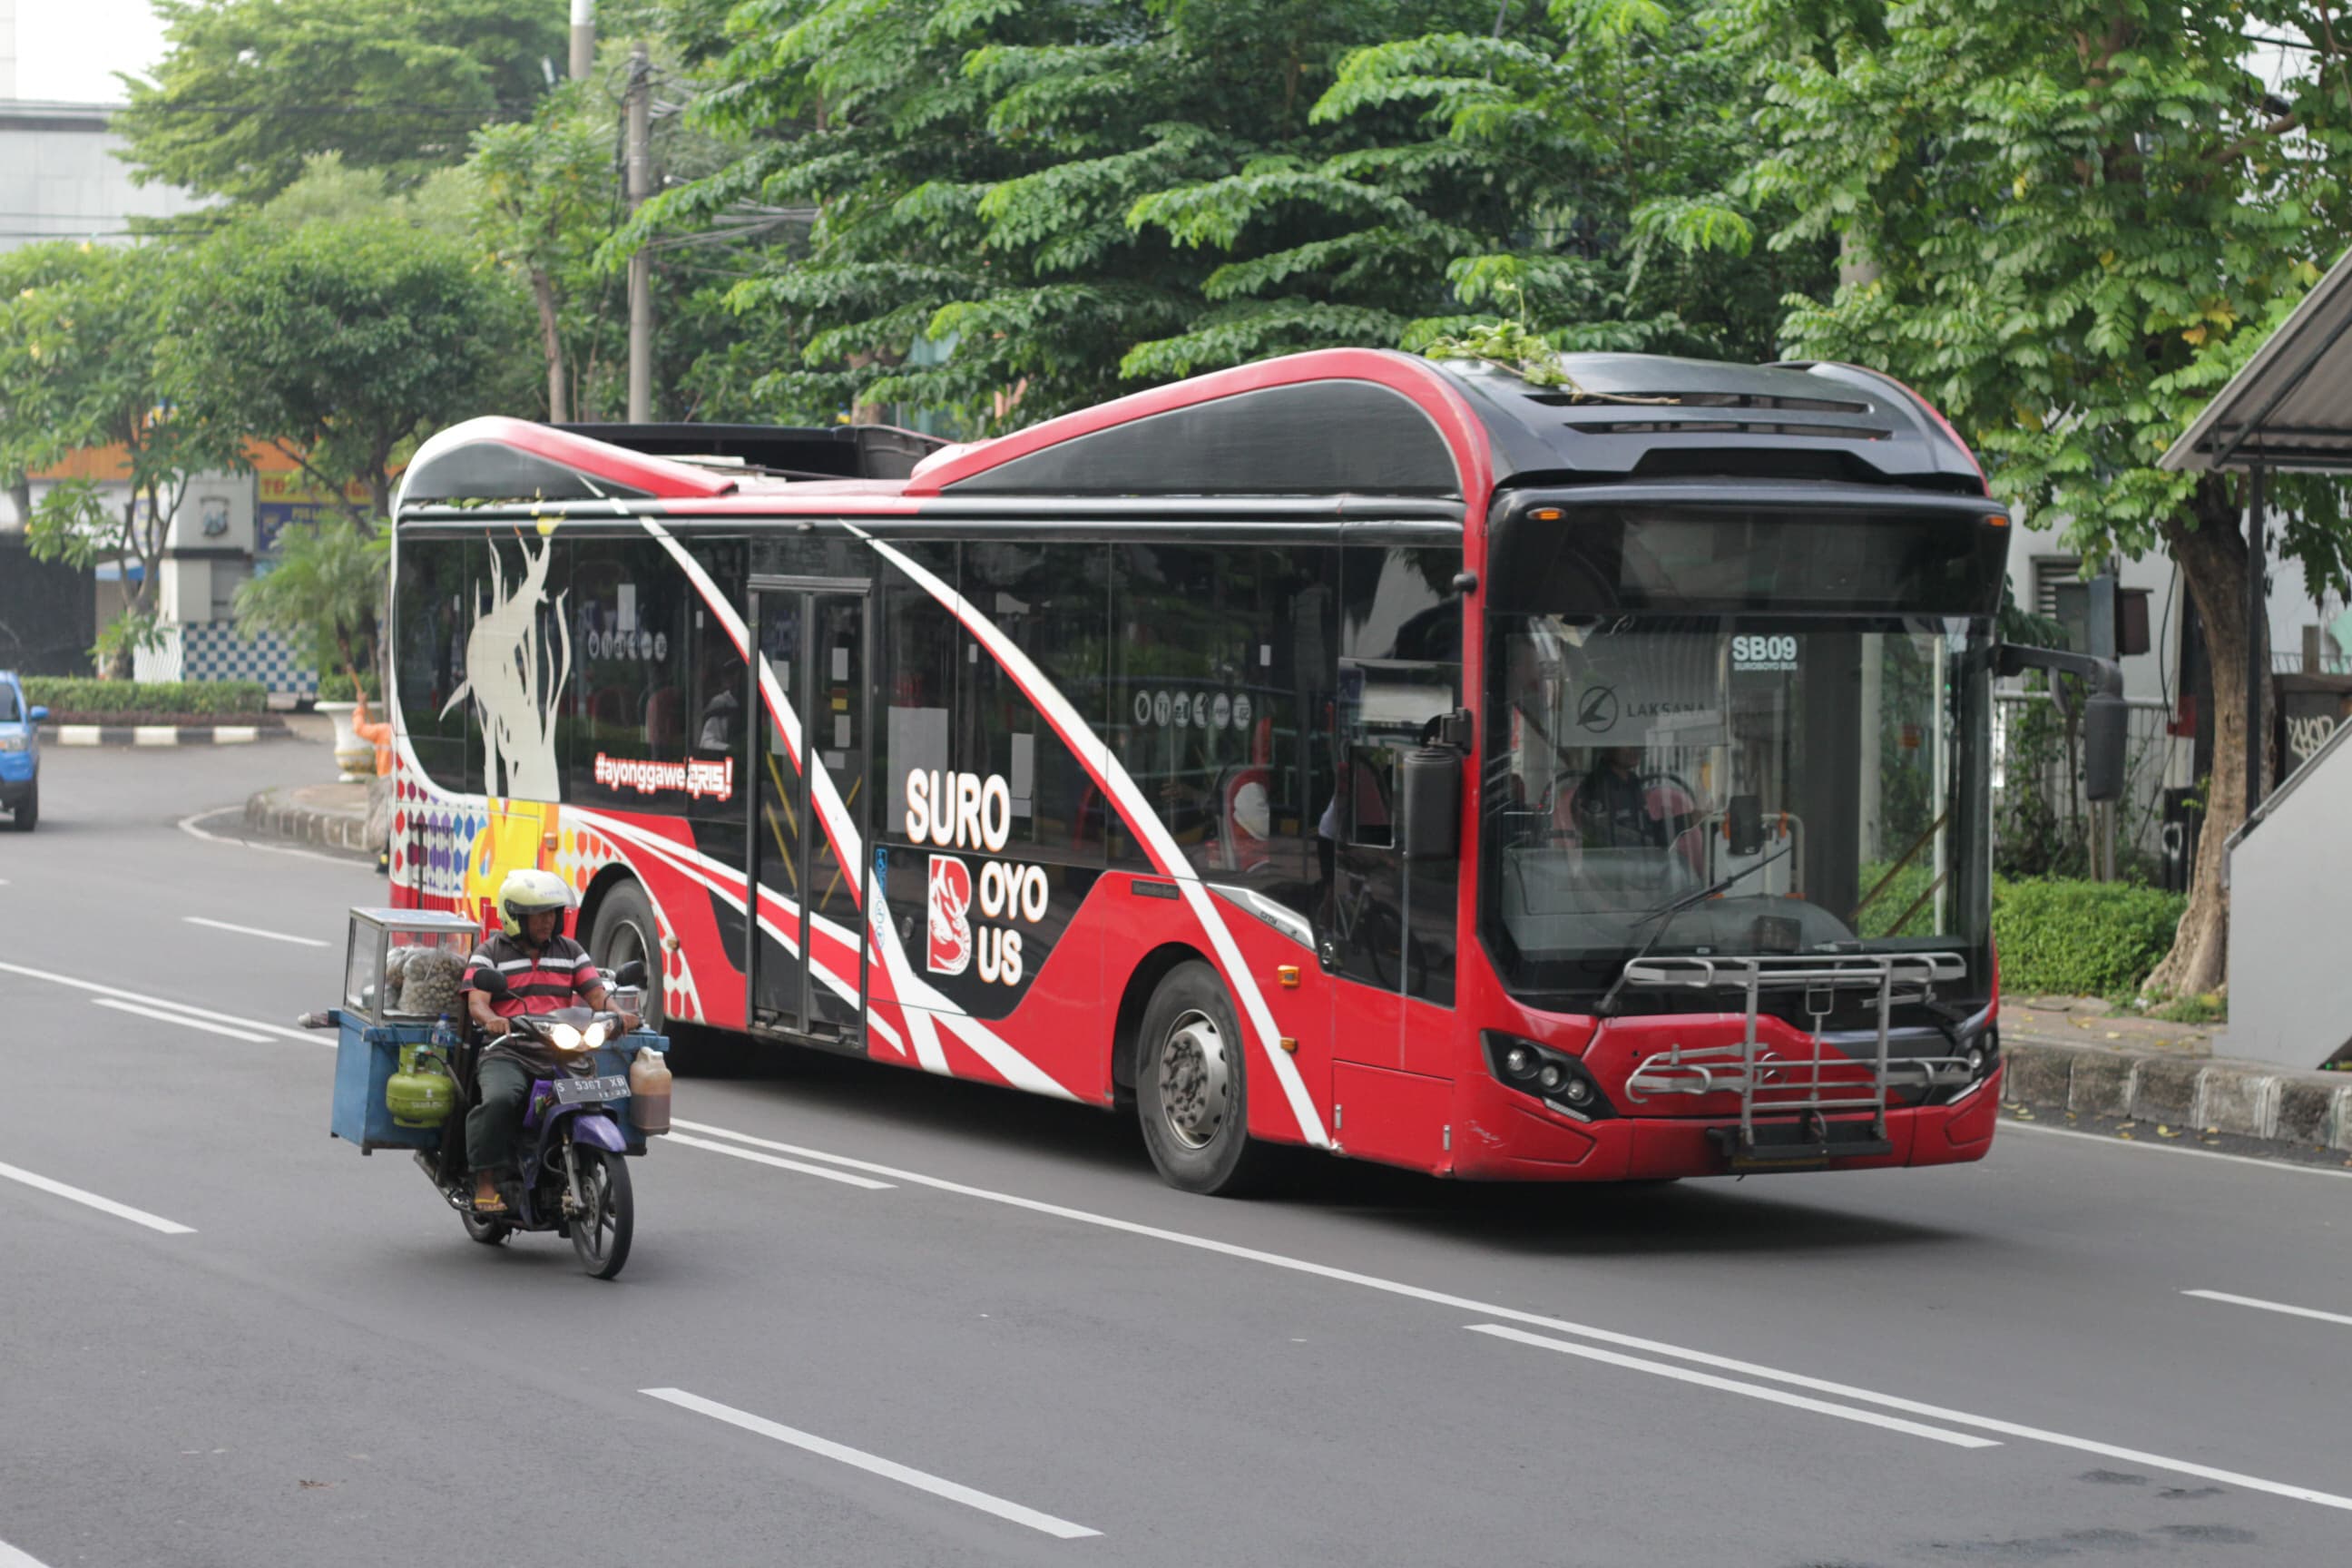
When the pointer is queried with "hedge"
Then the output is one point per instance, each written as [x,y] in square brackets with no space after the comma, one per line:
[2063,937]
[335,686]
[65,695]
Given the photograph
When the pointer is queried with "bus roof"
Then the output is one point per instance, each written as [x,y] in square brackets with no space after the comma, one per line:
[1332,422]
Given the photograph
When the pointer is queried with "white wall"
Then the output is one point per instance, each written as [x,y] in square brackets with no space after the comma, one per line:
[2290,985]
[59,178]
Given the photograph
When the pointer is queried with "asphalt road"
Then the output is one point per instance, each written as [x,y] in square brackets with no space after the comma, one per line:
[897,1320]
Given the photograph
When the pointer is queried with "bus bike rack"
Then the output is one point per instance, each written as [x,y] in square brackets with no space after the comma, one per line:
[1797,1090]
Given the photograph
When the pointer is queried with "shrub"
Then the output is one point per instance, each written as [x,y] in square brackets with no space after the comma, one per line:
[72,695]
[336,687]
[2063,937]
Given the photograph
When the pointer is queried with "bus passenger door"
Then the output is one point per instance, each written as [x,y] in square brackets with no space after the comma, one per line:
[808,966]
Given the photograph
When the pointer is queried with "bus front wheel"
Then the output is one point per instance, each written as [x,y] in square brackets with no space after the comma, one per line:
[1192,1087]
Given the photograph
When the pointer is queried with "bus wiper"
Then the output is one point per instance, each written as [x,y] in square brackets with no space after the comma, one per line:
[1665,915]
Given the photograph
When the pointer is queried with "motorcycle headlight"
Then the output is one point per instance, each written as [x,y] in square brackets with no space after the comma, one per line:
[566,1039]
[598,1033]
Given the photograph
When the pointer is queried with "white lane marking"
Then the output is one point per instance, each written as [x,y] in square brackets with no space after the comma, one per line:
[2262,1305]
[2261,1164]
[306,1036]
[254,930]
[873,1464]
[12,1558]
[187,825]
[1752,1390]
[104,1205]
[182,1019]
[1537,1320]
[844,1177]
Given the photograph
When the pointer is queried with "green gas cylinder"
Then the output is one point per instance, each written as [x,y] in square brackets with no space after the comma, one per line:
[421,1093]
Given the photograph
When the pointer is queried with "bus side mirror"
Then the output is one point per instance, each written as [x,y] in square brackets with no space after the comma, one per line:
[1430,785]
[2104,712]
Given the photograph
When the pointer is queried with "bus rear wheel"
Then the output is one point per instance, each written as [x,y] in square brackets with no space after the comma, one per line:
[626,929]
[1192,1087]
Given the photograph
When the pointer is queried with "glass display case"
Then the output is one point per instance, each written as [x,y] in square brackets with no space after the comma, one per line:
[403,966]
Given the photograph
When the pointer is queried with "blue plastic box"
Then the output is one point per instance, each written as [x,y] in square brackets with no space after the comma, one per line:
[368,1054]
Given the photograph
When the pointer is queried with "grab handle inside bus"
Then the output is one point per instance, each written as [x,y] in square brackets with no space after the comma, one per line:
[2104,712]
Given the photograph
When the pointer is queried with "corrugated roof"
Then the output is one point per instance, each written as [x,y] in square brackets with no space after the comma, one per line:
[2291,407]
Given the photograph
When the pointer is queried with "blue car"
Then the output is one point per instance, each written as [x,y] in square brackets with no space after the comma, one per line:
[20,754]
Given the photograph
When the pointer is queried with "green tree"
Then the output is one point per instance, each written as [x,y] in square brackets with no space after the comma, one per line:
[325,591]
[81,356]
[1560,165]
[972,169]
[344,340]
[2067,225]
[250,90]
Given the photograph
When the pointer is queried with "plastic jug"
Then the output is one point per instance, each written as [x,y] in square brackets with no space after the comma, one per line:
[649,1092]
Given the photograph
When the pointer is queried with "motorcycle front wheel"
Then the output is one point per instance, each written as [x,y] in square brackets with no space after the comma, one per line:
[600,1231]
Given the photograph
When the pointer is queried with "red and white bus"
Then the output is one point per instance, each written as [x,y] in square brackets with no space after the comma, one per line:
[1584,782]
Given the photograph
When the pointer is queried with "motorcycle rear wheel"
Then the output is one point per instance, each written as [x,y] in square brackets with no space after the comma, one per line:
[600,1235]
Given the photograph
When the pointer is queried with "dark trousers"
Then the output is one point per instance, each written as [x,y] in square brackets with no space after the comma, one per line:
[502,1092]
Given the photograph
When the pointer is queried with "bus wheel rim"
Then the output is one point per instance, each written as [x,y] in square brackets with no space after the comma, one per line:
[629,942]
[1194,1080]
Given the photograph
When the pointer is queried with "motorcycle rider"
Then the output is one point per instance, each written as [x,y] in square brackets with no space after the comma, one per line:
[530,966]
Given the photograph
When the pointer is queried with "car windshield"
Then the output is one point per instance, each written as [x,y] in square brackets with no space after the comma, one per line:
[1818,767]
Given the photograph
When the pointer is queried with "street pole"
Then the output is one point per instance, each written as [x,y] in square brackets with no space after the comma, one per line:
[584,38]
[2257,610]
[641,264]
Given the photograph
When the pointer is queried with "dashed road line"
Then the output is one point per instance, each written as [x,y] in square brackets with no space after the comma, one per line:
[873,1464]
[1557,1325]
[844,1177]
[12,1558]
[2261,1305]
[1729,1386]
[91,1200]
[275,1031]
[182,1019]
[255,930]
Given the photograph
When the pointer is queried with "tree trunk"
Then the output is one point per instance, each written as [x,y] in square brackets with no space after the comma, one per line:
[2210,547]
[543,290]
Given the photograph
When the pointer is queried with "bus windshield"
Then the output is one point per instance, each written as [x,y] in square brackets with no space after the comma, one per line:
[1822,770]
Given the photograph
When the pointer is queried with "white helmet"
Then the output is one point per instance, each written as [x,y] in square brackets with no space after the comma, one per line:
[530,892]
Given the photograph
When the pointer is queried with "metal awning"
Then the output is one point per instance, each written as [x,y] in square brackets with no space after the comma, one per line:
[2291,407]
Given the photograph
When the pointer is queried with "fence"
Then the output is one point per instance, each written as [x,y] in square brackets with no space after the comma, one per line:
[215,650]
[2043,825]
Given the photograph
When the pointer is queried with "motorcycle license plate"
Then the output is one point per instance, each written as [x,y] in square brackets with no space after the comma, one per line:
[580,1091]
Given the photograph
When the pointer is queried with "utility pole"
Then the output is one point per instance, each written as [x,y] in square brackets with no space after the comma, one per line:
[641,264]
[584,38]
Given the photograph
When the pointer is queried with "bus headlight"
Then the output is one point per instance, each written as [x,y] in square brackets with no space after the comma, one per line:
[1553,1077]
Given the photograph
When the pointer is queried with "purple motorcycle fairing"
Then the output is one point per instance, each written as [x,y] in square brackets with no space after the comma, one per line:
[599,1131]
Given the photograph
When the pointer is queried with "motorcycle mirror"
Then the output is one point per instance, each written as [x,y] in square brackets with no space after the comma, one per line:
[632,974]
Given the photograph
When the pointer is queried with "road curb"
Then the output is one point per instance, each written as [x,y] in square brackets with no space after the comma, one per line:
[272,812]
[158,734]
[2302,1110]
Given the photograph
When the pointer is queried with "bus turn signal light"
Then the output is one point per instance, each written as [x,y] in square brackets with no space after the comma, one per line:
[1288,975]
[1290,1045]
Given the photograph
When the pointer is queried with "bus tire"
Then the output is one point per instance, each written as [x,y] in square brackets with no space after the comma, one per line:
[625,929]
[1192,1087]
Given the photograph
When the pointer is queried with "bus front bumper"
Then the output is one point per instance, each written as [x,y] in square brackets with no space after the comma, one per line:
[1511,1138]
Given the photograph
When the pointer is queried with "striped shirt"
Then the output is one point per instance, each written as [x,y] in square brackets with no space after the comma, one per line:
[558,975]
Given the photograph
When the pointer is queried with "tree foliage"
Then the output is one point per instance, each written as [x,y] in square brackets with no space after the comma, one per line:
[343,339]
[1026,205]
[2075,221]
[81,342]
[248,91]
